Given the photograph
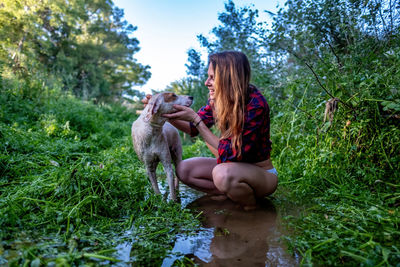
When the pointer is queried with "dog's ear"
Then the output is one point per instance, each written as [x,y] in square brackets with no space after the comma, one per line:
[154,105]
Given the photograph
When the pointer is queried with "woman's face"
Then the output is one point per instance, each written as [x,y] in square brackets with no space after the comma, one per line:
[210,82]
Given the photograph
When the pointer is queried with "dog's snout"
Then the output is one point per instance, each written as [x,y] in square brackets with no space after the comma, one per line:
[191,97]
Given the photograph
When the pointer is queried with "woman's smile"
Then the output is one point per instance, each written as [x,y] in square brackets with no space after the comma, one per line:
[210,82]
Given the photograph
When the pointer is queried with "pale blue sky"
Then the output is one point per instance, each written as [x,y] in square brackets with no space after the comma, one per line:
[167,29]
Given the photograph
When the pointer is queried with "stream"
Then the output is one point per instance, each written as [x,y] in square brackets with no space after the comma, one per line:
[229,236]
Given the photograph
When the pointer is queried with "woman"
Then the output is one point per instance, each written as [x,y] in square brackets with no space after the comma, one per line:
[242,170]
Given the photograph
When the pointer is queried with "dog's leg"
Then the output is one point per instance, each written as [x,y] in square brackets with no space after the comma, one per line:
[176,183]
[176,155]
[174,147]
[151,173]
[170,178]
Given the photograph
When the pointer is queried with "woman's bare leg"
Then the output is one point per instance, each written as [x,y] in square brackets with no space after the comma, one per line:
[241,182]
[244,182]
[197,173]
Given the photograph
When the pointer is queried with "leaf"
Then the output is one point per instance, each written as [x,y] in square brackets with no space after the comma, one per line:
[35,262]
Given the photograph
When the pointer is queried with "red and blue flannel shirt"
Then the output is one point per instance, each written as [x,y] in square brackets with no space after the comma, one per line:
[256,144]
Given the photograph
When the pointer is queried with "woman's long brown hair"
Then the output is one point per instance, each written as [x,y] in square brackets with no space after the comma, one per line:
[231,82]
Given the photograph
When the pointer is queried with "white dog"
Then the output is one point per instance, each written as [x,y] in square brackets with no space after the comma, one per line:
[156,140]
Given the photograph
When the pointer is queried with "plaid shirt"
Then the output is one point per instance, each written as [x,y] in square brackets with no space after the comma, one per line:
[256,145]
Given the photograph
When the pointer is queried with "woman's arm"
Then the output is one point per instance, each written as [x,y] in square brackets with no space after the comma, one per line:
[183,116]
[213,150]
[208,136]
[182,125]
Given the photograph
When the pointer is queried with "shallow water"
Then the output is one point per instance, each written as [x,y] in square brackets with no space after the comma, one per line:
[231,236]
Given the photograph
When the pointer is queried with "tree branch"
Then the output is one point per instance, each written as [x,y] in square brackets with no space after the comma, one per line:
[323,87]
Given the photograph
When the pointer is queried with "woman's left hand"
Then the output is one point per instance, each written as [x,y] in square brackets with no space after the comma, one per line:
[182,113]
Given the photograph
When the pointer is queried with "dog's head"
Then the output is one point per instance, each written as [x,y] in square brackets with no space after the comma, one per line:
[163,103]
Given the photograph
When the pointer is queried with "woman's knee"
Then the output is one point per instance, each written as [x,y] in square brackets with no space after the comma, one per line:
[223,178]
[183,171]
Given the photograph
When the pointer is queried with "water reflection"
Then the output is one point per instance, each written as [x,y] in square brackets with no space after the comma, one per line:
[233,237]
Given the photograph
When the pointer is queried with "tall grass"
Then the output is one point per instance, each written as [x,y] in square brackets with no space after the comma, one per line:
[346,171]
[71,185]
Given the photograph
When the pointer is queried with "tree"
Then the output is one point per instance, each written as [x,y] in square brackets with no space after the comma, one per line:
[343,51]
[196,66]
[239,30]
[335,40]
[86,45]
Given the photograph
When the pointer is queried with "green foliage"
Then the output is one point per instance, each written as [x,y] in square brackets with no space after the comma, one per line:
[71,186]
[197,149]
[352,224]
[358,69]
[196,66]
[348,59]
[349,174]
[155,229]
[68,171]
[239,30]
[347,165]
[85,46]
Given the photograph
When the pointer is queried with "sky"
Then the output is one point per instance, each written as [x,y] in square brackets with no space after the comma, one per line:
[167,29]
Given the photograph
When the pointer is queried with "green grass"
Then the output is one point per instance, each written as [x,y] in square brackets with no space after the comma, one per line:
[71,186]
[347,227]
[348,178]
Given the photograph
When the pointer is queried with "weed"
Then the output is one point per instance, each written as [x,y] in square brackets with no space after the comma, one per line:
[71,185]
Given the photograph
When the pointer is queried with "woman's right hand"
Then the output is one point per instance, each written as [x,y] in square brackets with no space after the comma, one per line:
[183,113]
[146,100]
